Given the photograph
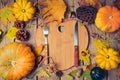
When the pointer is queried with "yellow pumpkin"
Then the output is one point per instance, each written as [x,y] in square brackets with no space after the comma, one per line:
[108,58]
[108,19]
[23,10]
[16,61]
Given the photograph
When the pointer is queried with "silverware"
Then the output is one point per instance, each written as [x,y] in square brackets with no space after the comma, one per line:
[45,32]
[76,50]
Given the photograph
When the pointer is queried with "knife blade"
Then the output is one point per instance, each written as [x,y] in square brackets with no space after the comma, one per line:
[76,50]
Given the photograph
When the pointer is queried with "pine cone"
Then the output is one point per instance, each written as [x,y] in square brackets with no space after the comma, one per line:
[19,24]
[22,35]
[86,14]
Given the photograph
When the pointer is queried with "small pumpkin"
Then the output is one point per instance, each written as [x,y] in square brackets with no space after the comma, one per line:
[108,19]
[23,10]
[107,58]
[16,61]
[97,73]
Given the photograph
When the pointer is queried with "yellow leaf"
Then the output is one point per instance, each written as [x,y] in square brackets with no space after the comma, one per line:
[38,50]
[54,10]
[100,44]
[11,34]
[118,72]
[94,3]
[6,14]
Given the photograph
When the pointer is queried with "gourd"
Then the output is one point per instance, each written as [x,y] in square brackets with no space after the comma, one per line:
[23,10]
[107,58]
[97,73]
[16,61]
[108,19]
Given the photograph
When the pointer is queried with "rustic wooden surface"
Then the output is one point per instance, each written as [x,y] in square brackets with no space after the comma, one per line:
[111,75]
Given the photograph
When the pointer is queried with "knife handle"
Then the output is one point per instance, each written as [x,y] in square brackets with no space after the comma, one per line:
[76,56]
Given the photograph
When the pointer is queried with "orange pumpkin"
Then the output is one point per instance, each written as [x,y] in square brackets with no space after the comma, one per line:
[108,19]
[16,61]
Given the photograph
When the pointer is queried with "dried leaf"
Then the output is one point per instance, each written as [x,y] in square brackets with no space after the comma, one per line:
[95,3]
[74,73]
[117,3]
[53,10]
[42,73]
[6,14]
[118,72]
[86,75]
[38,50]
[11,34]
[69,77]
[99,44]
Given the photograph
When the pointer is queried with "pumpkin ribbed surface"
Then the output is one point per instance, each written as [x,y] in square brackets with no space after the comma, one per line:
[23,10]
[108,58]
[108,19]
[16,61]
[97,73]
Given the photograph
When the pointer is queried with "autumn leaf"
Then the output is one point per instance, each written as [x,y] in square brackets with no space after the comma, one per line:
[11,33]
[100,44]
[53,10]
[118,72]
[6,15]
[85,56]
[38,50]
[86,75]
[95,3]
[42,73]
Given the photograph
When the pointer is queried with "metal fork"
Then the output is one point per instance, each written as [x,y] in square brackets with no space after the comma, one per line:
[45,32]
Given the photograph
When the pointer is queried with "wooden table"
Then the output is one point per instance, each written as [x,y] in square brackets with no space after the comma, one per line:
[111,75]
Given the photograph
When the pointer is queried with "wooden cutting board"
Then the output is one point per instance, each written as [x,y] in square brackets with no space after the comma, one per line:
[61,42]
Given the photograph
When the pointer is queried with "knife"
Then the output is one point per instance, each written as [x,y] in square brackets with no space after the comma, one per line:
[76,50]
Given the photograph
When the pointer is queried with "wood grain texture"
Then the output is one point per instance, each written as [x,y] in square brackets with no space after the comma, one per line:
[61,44]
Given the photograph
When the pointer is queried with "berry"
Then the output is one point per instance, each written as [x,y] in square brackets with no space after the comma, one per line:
[84,54]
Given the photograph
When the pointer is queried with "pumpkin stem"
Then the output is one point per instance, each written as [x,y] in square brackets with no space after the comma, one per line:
[107,57]
[13,63]
[110,17]
[23,10]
